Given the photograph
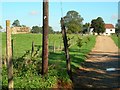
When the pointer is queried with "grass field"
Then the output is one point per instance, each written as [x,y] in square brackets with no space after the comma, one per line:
[27,69]
[116,40]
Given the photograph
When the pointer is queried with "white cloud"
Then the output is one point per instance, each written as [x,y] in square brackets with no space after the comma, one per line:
[114,17]
[33,12]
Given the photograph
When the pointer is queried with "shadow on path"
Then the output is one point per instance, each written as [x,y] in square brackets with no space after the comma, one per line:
[96,73]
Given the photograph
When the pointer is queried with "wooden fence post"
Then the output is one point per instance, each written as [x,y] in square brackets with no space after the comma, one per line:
[54,46]
[32,52]
[5,59]
[0,61]
[60,45]
[65,41]
[12,44]
[9,56]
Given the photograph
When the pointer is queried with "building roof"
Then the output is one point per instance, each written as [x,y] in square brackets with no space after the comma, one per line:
[109,26]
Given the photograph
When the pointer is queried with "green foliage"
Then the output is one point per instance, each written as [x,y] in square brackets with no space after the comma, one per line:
[78,56]
[73,22]
[0,27]
[16,23]
[27,69]
[36,29]
[70,39]
[79,42]
[98,25]
[86,26]
[23,25]
[51,31]
[83,41]
[117,27]
[116,39]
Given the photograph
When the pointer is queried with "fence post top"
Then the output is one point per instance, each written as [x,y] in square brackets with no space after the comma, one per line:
[7,22]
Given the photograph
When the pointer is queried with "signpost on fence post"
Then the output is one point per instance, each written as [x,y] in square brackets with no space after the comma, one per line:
[9,55]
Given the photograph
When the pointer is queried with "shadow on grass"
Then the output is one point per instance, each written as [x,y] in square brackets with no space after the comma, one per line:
[57,62]
[76,57]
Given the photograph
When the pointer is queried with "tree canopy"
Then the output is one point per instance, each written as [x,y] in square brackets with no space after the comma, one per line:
[23,25]
[117,27]
[16,23]
[86,27]
[37,29]
[98,25]
[50,30]
[73,22]
[0,27]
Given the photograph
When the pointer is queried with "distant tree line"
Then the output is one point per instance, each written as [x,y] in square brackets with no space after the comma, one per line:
[74,25]
[37,29]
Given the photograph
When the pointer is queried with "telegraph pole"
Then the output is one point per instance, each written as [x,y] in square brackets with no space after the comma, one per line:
[45,38]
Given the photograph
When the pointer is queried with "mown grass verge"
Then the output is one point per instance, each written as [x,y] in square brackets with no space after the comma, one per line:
[116,39]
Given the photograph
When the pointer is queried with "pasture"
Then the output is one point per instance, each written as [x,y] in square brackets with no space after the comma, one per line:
[27,68]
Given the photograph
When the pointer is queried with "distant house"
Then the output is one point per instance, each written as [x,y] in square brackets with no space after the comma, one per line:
[109,29]
[19,30]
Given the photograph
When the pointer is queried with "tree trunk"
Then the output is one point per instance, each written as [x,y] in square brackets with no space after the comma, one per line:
[45,38]
[66,48]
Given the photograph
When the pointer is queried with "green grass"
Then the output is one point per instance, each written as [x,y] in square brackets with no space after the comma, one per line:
[116,40]
[28,75]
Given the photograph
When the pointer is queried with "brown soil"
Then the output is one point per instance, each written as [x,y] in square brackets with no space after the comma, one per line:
[93,72]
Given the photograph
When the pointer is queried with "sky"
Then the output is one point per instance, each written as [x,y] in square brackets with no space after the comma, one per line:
[30,13]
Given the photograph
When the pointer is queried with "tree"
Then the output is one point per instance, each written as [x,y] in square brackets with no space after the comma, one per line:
[98,25]
[36,29]
[86,27]
[1,27]
[16,23]
[51,31]
[57,32]
[73,22]
[117,26]
[23,25]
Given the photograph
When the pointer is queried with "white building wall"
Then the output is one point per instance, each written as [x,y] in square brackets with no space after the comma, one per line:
[91,31]
[109,31]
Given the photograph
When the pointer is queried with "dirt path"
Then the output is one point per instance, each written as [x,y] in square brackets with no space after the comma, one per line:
[95,73]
